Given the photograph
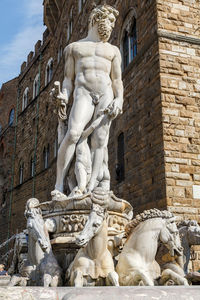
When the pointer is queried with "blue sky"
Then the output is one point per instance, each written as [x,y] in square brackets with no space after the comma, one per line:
[21,25]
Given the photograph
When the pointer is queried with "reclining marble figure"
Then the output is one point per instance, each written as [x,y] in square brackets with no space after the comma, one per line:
[92,74]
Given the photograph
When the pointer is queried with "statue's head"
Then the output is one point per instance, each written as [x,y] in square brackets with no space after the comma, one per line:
[104,16]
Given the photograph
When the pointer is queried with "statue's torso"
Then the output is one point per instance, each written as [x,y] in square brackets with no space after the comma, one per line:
[93,65]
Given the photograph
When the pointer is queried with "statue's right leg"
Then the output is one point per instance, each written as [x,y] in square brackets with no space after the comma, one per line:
[80,115]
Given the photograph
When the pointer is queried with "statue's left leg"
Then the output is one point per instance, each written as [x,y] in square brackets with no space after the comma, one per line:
[112,279]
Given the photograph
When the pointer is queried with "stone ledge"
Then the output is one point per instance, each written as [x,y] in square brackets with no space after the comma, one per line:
[178,37]
[101,293]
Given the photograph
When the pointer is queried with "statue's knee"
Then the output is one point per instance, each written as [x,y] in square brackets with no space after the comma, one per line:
[73,136]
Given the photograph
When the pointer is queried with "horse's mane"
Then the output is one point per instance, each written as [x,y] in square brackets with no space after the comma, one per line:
[146,215]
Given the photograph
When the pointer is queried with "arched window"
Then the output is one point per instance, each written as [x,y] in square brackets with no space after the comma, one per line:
[49,71]
[21,172]
[32,166]
[126,50]
[60,53]
[133,41]
[120,158]
[128,38]
[46,157]
[36,86]
[129,44]
[25,98]
[11,116]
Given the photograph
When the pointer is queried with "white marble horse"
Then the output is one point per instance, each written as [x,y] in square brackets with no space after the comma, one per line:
[137,264]
[93,264]
[48,272]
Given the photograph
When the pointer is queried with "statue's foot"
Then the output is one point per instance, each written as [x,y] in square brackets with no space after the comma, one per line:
[76,192]
[57,195]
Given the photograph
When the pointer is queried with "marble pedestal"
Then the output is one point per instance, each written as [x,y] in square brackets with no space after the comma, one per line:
[101,293]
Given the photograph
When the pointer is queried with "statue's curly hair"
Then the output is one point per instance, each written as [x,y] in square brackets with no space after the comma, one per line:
[101,12]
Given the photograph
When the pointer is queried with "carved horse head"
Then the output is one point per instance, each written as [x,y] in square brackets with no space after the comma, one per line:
[169,235]
[35,224]
[92,226]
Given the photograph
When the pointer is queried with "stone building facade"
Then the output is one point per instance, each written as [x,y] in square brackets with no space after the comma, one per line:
[154,146]
[8,96]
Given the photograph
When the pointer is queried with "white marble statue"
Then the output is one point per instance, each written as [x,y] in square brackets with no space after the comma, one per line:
[93,264]
[92,74]
[137,264]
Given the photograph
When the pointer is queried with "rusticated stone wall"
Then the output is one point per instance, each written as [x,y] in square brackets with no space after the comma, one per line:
[8,100]
[180,86]
[141,122]
[179,42]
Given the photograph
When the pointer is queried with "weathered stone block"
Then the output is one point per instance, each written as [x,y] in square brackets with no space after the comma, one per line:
[178,192]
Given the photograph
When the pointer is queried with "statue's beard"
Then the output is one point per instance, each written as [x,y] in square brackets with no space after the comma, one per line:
[104,30]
